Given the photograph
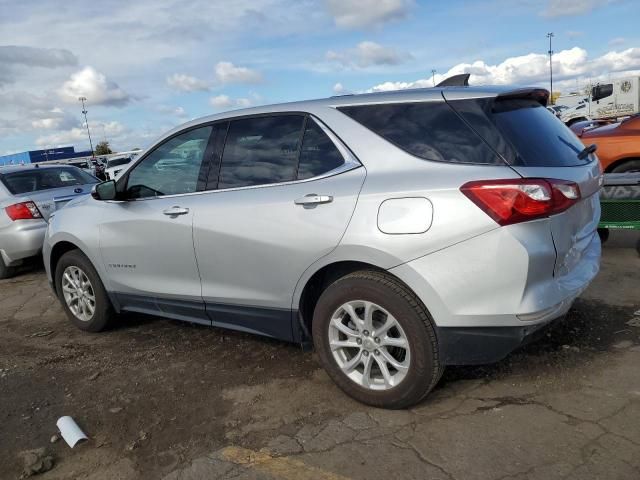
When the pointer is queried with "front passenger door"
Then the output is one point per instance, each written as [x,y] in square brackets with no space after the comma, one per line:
[147,240]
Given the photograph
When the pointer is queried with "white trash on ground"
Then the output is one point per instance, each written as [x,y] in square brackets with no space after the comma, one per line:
[70,431]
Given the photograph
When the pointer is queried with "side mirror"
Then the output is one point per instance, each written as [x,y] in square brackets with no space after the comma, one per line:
[104,191]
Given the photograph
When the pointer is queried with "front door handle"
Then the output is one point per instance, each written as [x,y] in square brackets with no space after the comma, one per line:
[175,211]
[313,199]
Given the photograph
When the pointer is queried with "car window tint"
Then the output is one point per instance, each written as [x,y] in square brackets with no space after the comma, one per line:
[171,169]
[429,130]
[318,154]
[37,179]
[261,150]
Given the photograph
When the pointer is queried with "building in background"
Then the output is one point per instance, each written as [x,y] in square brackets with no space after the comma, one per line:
[35,156]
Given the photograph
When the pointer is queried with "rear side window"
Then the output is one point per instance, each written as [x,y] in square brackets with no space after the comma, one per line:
[429,130]
[261,150]
[34,180]
[318,154]
[523,131]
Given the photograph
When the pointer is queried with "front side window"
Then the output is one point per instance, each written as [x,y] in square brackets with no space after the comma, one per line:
[261,150]
[171,169]
[318,155]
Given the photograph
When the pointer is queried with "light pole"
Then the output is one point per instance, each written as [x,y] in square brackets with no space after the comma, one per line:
[550,36]
[86,122]
[433,77]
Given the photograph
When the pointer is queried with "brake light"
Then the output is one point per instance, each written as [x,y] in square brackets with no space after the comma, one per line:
[23,211]
[520,200]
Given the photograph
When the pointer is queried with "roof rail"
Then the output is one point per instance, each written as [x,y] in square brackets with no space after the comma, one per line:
[461,80]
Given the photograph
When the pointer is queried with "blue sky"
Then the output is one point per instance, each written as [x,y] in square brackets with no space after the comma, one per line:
[146,66]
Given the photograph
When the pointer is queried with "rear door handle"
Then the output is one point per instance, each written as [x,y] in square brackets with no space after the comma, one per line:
[313,199]
[175,211]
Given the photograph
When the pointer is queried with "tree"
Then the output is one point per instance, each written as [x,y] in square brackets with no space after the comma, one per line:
[103,148]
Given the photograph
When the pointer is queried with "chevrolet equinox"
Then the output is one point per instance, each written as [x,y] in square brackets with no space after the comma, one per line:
[396,232]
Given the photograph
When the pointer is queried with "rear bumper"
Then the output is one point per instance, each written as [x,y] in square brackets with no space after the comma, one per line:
[492,293]
[483,345]
[21,239]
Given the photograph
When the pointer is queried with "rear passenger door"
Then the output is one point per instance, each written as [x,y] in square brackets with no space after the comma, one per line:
[282,191]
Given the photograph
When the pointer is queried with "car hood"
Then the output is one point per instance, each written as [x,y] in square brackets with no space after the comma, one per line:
[601,131]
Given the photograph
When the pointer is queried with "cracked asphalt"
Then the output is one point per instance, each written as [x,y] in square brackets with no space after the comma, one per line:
[168,400]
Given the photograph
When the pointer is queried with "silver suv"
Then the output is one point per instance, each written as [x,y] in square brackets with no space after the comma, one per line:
[397,233]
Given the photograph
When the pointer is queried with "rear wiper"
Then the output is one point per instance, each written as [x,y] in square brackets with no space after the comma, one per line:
[586,151]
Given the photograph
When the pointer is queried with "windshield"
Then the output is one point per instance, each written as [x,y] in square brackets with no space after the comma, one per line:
[37,179]
[117,162]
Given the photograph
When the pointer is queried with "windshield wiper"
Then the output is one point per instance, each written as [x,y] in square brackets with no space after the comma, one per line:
[586,151]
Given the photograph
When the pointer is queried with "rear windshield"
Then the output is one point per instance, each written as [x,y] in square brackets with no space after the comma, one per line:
[523,131]
[429,130]
[36,179]
[117,162]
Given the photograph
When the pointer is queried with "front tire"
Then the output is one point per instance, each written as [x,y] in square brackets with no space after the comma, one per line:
[376,340]
[82,294]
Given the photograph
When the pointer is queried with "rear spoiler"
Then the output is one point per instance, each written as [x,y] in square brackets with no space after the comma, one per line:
[461,80]
[539,95]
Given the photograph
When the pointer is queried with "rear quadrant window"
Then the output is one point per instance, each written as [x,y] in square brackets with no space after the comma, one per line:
[429,130]
[261,150]
[319,154]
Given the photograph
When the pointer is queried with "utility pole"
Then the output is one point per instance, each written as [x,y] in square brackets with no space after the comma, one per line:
[86,122]
[433,77]
[550,36]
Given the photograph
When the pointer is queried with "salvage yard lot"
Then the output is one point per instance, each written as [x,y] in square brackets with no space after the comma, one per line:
[163,399]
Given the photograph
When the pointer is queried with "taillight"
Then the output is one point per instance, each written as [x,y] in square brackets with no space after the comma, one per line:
[520,200]
[23,211]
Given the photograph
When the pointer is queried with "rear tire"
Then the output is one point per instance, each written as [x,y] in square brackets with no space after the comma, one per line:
[5,272]
[363,360]
[82,294]
[628,166]
[603,233]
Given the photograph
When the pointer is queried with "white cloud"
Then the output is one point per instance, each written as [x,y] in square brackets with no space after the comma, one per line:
[367,54]
[224,102]
[367,13]
[227,72]
[339,89]
[616,41]
[14,59]
[562,8]
[574,34]
[55,119]
[533,68]
[78,135]
[186,83]
[36,57]
[94,85]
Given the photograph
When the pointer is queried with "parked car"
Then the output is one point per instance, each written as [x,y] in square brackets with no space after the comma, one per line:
[396,232]
[618,145]
[582,126]
[28,195]
[86,165]
[115,166]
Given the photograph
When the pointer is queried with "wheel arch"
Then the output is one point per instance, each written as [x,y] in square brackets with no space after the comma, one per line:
[319,280]
[619,162]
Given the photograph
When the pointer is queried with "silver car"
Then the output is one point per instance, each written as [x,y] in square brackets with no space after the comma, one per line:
[28,195]
[397,233]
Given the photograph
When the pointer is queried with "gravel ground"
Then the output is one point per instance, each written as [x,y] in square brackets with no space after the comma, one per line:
[163,399]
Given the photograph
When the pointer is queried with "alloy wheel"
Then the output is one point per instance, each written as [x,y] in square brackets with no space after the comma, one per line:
[78,293]
[369,345]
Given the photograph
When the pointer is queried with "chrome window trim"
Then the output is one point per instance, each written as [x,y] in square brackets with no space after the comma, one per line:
[350,163]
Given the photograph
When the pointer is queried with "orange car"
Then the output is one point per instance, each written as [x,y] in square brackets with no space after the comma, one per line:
[618,145]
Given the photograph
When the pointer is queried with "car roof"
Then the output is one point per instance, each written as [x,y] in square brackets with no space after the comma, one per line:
[30,166]
[394,96]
